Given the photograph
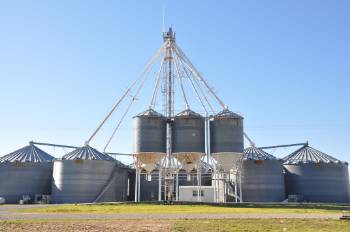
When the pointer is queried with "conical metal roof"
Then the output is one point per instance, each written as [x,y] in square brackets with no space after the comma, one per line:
[307,154]
[253,153]
[28,153]
[150,113]
[227,114]
[87,153]
[188,114]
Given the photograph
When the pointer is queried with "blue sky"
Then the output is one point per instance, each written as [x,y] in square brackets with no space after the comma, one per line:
[284,65]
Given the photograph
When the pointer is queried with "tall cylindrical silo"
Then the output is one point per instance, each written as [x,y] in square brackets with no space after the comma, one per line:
[86,175]
[262,177]
[188,138]
[27,171]
[316,176]
[149,132]
[226,139]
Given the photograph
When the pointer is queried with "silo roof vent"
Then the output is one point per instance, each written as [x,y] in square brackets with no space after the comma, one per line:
[188,114]
[28,153]
[307,154]
[253,153]
[87,153]
[227,114]
[150,113]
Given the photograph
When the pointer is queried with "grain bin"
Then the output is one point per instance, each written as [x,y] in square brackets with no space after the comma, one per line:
[226,139]
[27,171]
[149,144]
[262,177]
[86,175]
[188,138]
[316,176]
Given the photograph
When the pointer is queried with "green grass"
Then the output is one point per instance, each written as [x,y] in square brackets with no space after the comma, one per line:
[227,225]
[287,225]
[183,209]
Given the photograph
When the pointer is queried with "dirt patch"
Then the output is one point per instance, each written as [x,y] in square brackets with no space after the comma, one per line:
[94,226]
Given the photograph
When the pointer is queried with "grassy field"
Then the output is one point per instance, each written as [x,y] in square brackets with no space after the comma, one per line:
[183,209]
[227,225]
[289,225]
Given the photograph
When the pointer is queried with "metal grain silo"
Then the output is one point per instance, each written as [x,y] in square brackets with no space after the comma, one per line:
[27,171]
[86,175]
[149,138]
[188,138]
[226,139]
[316,176]
[262,177]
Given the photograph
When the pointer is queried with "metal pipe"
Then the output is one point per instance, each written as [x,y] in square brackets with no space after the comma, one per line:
[152,104]
[139,187]
[198,193]
[179,78]
[287,145]
[195,82]
[160,185]
[177,185]
[117,154]
[240,187]
[193,87]
[249,140]
[150,63]
[195,71]
[236,184]
[136,185]
[52,145]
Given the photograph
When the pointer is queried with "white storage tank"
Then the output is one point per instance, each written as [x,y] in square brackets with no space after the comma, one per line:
[27,171]
[316,176]
[86,175]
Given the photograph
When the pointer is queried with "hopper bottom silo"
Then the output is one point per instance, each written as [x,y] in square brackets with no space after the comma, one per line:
[83,181]
[262,181]
[318,182]
[24,178]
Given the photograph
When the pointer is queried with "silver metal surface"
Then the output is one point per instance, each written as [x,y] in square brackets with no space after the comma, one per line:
[27,171]
[262,177]
[28,153]
[149,132]
[87,175]
[87,153]
[307,154]
[253,153]
[18,179]
[317,177]
[82,181]
[188,132]
[226,133]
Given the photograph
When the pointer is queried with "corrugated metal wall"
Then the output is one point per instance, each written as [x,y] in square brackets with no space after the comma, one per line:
[263,181]
[322,182]
[18,179]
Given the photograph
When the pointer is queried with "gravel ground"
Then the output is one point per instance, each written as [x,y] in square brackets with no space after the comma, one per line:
[95,226]
[7,214]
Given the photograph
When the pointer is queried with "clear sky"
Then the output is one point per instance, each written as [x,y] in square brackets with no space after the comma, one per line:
[284,65]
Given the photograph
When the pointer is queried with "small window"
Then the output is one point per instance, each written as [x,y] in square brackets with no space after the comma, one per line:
[195,193]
